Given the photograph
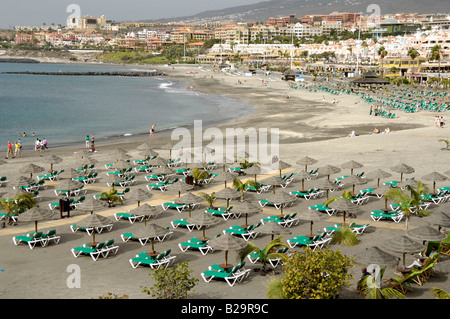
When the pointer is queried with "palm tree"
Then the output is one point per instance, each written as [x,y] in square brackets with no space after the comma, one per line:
[409,204]
[439,293]
[17,205]
[382,53]
[370,290]
[209,198]
[240,186]
[266,253]
[198,174]
[344,235]
[111,197]
[435,55]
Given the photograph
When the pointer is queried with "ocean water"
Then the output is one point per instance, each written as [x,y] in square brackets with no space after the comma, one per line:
[64,109]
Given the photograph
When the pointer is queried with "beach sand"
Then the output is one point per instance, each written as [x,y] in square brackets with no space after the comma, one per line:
[308,126]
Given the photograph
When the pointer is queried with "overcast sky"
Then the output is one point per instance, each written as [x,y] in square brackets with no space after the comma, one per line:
[36,12]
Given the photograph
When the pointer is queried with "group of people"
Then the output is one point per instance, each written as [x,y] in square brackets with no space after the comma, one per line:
[16,151]
[439,121]
[377,131]
[90,142]
[40,145]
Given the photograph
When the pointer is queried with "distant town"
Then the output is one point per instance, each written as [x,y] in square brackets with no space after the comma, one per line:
[409,46]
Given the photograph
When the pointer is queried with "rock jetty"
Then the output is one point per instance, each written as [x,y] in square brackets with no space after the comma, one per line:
[123,73]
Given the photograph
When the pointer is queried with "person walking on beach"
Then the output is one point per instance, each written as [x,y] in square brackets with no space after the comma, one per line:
[10,150]
[441,122]
[152,130]
[88,143]
[18,146]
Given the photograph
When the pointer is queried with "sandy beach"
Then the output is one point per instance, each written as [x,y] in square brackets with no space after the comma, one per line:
[309,125]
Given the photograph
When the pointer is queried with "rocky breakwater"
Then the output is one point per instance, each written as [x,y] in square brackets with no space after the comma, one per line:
[122,73]
[18,60]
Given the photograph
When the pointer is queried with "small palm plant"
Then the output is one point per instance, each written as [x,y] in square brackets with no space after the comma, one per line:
[447,143]
[209,198]
[17,205]
[344,235]
[266,253]
[409,204]
[198,175]
[240,186]
[439,293]
[371,289]
[111,197]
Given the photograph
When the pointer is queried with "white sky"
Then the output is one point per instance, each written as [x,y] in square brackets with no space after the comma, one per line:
[36,12]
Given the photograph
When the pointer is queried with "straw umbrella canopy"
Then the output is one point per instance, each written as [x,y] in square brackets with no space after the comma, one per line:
[157,161]
[345,206]
[167,147]
[426,233]
[247,208]
[146,210]
[280,165]
[163,170]
[202,220]
[52,159]
[151,231]
[328,170]
[145,146]
[273,228]
[91,204]
[189,199]
[311,216]
[227,193]
[13,193]
[273,181]
[22,181]
[281,198]
[122,164]
[403,244]
[253,170]
[226,177]
[374,255]
[94,221]
[302,175]
[378,174]
[354,180]
[120,154]
[112,179]
[68,185]
[402,169]
[138,195]
[306,161]
[439,218]
[325,184]
[86,160]
[71,173]
[351,165]
[36,214]
[179,187]
[434,177]
[31,168]
[227,242]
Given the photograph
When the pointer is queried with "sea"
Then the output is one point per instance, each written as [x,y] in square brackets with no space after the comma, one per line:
[65,109]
